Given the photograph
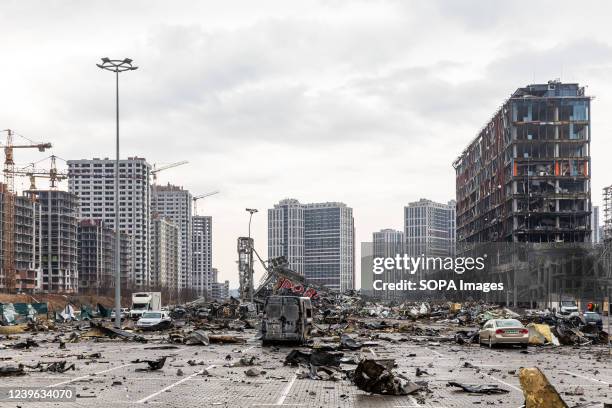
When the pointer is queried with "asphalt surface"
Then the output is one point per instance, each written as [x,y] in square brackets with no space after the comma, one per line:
[113,380]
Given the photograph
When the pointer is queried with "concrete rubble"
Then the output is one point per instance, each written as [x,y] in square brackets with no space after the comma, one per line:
[347,334]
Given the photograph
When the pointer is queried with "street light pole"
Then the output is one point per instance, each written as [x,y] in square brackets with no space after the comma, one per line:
[117,66]
[251,211]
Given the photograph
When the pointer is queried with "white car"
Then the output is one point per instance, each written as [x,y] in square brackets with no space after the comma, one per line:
[154,320]
[504,331]
[124,312]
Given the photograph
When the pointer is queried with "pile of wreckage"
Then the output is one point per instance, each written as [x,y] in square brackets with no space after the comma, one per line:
[545,327]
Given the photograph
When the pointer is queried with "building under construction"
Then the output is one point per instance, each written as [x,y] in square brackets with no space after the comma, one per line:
[96,257]
[59,249]
[607,214]
[25,236]
[526,176]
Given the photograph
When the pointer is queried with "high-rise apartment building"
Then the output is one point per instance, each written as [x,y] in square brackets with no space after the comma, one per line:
[526,175]
[93,181]
[59,240]
[387,243]
[165,269]
[220,290]
[202,255]
[318,237]
[286,233]
[175,203]
[96,256]
[429,228]
[26,236]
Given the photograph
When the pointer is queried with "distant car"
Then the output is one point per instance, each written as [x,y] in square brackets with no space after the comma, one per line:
[154,320]
[124,313]
[567,307]
[594,319]
[504,331]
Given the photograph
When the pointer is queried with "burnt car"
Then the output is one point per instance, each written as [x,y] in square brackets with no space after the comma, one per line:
[286,319]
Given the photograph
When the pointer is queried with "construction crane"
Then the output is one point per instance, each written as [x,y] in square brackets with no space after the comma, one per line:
[166,167]
[154,188]
[8,232]
[52,174]
[196,198]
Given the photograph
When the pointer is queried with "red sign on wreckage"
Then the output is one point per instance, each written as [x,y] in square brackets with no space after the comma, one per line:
[297,288]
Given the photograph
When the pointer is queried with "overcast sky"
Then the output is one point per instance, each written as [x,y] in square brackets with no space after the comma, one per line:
[364,102]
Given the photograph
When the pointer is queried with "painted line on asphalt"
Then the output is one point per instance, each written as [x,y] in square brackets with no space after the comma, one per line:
[88,375]
[281,398]
[435,352]
[505,383]
[373,353]
[586,378]
[155,394]
[248,349]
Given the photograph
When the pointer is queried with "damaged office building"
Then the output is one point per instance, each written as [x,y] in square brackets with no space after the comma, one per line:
[524,184]
[525,178]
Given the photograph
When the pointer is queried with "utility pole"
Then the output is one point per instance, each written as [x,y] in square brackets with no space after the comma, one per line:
[117,66]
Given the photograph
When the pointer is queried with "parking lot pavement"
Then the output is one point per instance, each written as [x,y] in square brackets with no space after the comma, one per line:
[112,379]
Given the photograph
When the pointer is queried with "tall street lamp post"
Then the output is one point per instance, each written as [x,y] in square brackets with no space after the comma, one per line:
[117,66]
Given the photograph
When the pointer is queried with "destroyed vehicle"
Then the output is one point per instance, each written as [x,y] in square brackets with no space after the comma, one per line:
[504,331]
[286,319]
[154,320]
[593,319]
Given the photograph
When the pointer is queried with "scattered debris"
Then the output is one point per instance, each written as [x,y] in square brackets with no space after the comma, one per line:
[11,370]
[479,389]
[153,364]
[376,377]
[253,372]
[55,366]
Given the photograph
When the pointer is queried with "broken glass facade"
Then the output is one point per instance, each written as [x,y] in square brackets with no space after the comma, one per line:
[526,176]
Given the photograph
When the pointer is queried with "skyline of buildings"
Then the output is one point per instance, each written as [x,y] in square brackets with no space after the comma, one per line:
[63,241]
[525,178]
[318,240]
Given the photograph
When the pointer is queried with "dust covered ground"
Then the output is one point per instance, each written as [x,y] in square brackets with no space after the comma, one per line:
[213,375]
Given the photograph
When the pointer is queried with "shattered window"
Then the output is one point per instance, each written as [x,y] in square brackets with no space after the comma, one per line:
[273,311]
[292,312]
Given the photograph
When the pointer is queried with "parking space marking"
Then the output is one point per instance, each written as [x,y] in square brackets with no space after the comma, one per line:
[435,352]
[155,394]
[586,378]
[287,389]
[505,383]
[88,375]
